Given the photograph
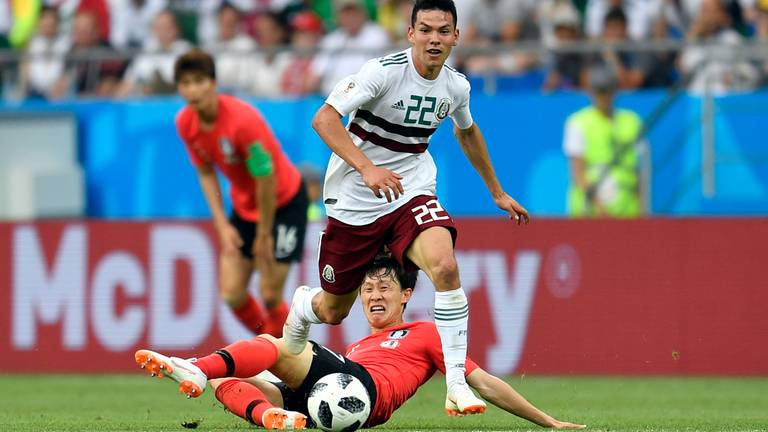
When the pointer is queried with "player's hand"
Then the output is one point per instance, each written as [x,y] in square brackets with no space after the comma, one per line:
[229,238]
[567,425]
[516,212]
[264,250]
[381,180]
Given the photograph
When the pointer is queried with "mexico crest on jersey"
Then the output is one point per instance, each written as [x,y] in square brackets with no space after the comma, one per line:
[328,274]
[442,108]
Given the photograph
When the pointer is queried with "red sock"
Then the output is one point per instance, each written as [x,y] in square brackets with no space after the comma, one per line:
[243,399]
[242,359]
[250,315]
[275,319]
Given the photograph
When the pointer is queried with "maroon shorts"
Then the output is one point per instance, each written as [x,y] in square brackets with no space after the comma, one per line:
[346,251]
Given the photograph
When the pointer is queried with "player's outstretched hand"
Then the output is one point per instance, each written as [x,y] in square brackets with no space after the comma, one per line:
[567,425]
[381,180]
[516,212]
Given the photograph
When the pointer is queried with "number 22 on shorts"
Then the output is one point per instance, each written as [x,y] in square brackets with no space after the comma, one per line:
[429,212]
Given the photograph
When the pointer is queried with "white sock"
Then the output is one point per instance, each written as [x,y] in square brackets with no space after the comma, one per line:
[305,311]
[451,317]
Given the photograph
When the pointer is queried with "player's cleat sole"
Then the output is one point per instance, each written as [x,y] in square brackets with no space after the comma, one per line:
[296,330]
[191,379]
[470,410]
[280,419]
[460,401]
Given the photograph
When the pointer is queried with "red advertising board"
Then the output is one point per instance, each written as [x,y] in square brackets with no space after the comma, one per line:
[658,296]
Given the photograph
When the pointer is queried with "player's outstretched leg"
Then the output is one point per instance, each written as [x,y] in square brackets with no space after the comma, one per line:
[191,379]
[280,419]
[300,318]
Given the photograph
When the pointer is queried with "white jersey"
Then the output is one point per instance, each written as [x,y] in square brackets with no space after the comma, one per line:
[393,112]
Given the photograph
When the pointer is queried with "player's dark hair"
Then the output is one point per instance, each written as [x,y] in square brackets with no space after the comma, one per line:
[426,5]
[388,266]
[194,61]
[615,14]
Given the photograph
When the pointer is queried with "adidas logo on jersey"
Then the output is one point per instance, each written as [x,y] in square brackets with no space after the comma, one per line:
[399,105]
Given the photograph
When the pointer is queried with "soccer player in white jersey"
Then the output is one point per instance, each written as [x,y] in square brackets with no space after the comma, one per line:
[381,181]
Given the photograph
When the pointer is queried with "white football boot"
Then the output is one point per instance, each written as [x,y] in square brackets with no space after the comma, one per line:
[191,379]
[461,401]
[295,329]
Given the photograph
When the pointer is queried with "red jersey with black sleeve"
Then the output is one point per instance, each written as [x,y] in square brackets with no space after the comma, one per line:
[227,145]
[400,359]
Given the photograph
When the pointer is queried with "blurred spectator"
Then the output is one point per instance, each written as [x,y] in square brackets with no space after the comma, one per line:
[265,68]
[43,64]
[500,21]
[345,50]
[761,31]
[633,69]
[601,143]
[719,66]
[305,37]
[132,21]
[565,69]
[89,73]
[395,18]
[5,23]
[151,72]
[642,16]
[231,49]
[546,13]
[208,17]
[69,9]
[326,10]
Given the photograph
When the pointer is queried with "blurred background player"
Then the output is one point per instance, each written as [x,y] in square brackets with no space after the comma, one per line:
[266,229]
[601,145]
[395,104]
[393,346]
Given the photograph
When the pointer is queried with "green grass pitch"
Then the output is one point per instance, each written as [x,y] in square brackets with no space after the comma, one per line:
[139,403]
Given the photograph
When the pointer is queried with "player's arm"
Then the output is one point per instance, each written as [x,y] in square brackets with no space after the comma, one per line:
[228,235]
[260,166]
[501,394]
[348,95]
[474,147]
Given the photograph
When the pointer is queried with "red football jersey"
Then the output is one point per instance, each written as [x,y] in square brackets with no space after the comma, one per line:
[400,359]
[226,145]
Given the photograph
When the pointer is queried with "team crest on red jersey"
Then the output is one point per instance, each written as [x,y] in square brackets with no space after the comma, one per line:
[228,151]
[398,334]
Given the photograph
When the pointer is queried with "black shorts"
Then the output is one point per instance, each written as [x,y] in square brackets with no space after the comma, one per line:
[324,362]
[289,229]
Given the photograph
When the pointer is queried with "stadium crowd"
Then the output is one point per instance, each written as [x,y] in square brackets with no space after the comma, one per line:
[288,48]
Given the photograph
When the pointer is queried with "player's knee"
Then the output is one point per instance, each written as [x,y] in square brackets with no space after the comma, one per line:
[445,271]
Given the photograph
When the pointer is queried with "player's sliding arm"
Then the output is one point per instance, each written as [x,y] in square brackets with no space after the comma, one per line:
[501,394]
[327,124]
[260,166]
[473,145]
[228,235]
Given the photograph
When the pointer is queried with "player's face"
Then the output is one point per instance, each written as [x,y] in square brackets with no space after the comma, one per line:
[433,37]
[199,90]
[383,300]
